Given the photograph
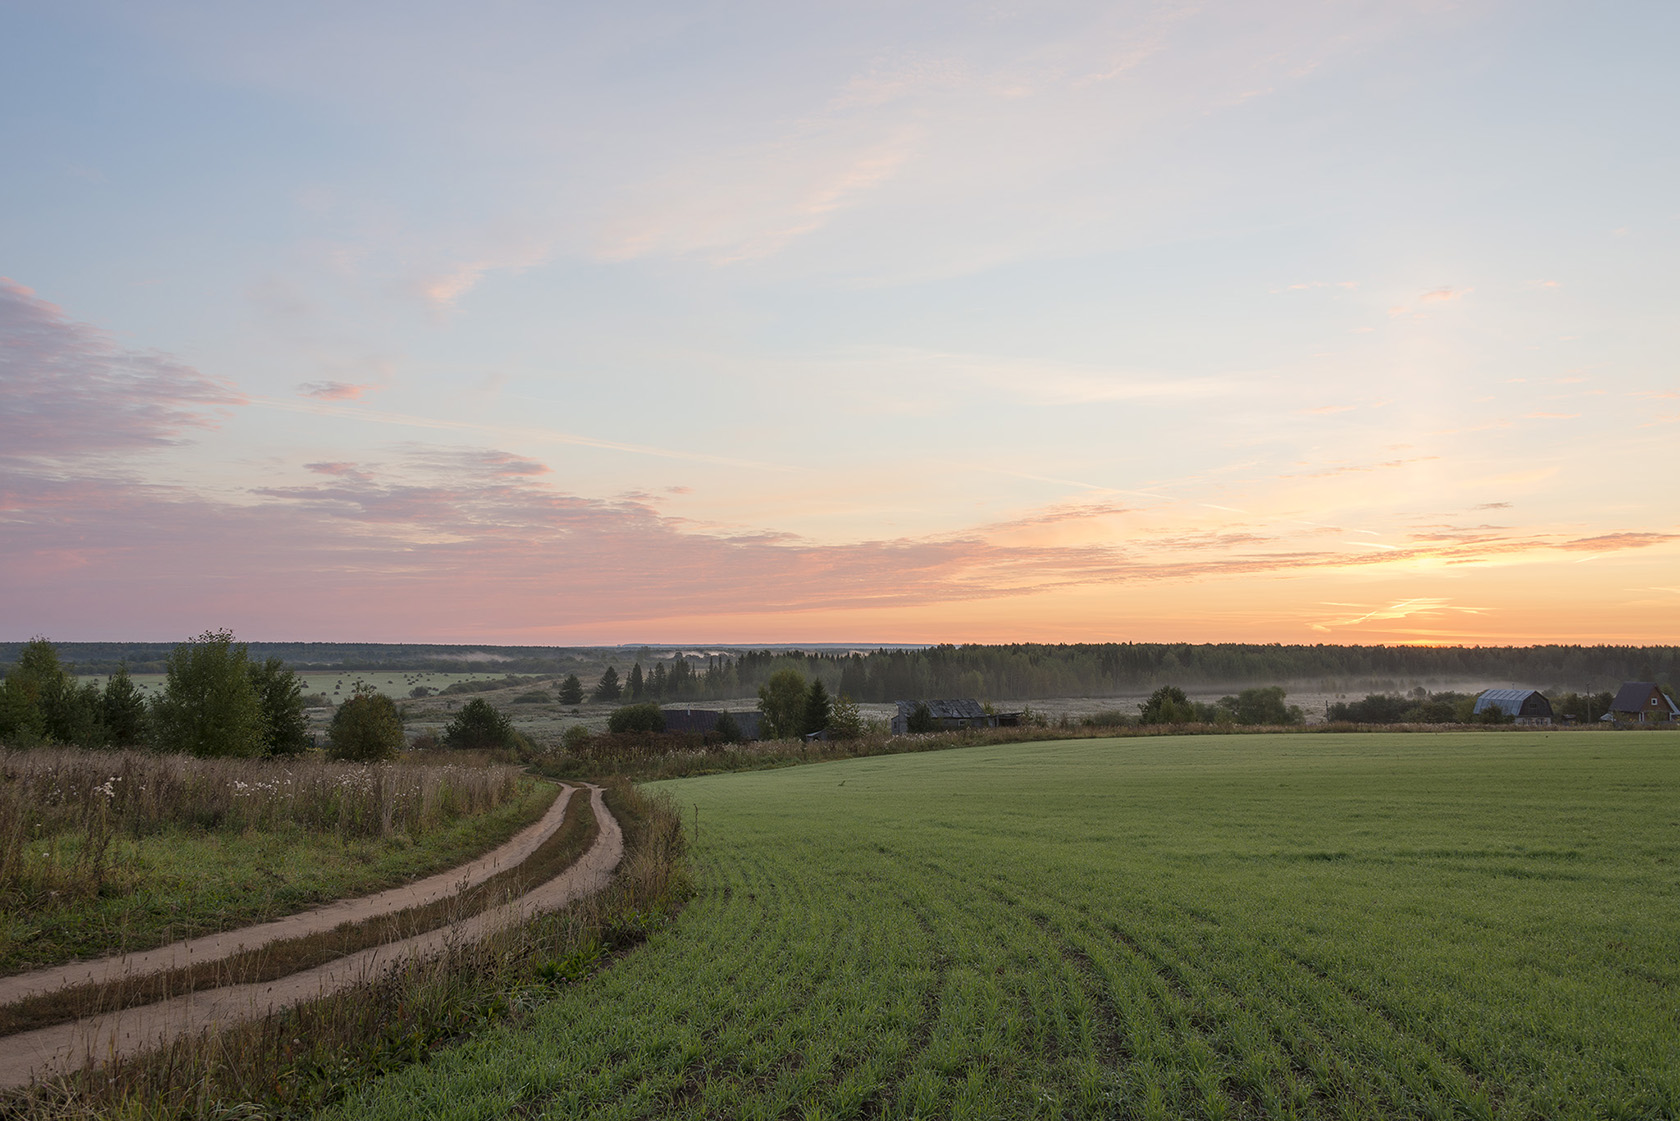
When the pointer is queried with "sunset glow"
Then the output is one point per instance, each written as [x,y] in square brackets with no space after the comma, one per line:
[1312,322]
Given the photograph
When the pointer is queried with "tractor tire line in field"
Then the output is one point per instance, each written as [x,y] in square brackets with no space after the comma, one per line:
[133,1031]
[228,943]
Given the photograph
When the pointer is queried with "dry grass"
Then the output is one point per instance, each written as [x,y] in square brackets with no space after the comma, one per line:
[60,810]
[297,1061]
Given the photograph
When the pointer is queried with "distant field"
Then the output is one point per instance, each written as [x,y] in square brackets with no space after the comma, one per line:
[338,685]
[1307,926]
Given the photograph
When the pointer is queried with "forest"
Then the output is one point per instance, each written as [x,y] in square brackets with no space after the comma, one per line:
[1018,671]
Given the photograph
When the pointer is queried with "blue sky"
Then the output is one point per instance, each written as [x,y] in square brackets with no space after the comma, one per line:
[1293,322]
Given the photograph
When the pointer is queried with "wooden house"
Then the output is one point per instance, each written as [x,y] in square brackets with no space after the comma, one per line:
[1642,702]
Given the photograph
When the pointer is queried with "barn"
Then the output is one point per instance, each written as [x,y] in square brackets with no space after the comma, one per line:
[947,715]
[704,721]
[1529,706]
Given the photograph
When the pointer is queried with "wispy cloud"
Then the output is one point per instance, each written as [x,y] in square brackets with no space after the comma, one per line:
[71,390]
[334,390]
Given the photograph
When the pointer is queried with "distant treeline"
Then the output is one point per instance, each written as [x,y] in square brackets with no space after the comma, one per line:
[1014,672]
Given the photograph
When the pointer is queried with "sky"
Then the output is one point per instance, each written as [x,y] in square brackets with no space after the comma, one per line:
[539,323]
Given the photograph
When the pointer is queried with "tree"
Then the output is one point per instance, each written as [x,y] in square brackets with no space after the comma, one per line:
[280,695]
[209,706]
[32,691]
[478,725]
[124,710]
[727,729]
[608,688]
[656,680]
[818,708]
[366,728]
[636,682]
[846,720]
[782,701]
[571,690]
[1262,705]
[921,719]
[1167,705]
[644,717]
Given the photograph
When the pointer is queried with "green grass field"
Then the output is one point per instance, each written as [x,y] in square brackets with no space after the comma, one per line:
[336,684]
[1271,926]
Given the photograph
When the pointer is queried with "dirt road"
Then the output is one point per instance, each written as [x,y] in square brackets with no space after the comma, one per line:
[132,1031]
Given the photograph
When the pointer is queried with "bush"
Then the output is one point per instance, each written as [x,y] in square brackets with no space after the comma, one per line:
[478,725]
[644,717]
[1167,705]
[534,697]
[366,728]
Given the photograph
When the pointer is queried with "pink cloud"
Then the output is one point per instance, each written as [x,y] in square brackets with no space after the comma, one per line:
[73,391]
[1441,295]
[334,390]
[1613,541]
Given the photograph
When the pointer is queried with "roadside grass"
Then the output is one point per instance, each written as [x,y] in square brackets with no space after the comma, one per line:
[103,852]
[1287,926]
[300,1061]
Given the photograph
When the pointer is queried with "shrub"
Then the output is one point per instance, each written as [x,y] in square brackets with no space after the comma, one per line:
[366,728]
[644,717]
[1167,705]
[478,725]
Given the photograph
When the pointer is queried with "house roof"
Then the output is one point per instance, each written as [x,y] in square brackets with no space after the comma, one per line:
[705,720]
[1509,701]
[965,709]
[1634,696]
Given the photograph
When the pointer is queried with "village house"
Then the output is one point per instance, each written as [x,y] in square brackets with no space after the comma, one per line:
[950,715]
[1528,706]
[1641,702]
[704,721]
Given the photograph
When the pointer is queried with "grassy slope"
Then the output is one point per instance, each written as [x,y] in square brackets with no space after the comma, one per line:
[181,883]
[1314,926]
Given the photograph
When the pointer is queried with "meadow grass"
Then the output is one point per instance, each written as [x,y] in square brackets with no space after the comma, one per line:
[110,851]
[1311,926]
